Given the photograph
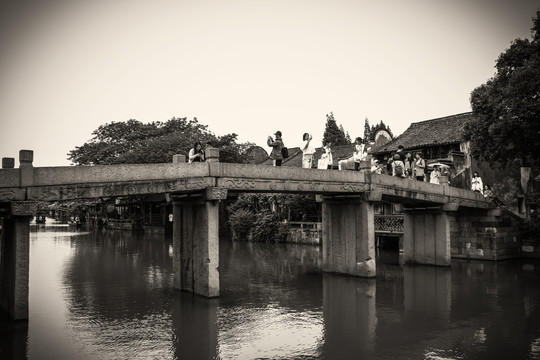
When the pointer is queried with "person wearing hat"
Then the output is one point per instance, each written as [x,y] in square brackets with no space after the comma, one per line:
[375,166]
[276,145]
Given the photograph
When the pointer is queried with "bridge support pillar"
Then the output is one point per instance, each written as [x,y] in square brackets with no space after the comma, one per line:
[426,235]
[196,242]
[349,235]
[14,259]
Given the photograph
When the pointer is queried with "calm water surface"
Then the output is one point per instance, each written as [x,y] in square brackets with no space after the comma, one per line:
[108,295]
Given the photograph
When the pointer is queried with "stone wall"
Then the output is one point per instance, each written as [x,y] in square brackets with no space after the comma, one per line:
[485,235]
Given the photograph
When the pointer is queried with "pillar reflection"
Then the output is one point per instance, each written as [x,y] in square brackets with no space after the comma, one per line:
[195,327]
[350,318]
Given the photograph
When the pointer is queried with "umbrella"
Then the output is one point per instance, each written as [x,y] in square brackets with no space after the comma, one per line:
[439,164]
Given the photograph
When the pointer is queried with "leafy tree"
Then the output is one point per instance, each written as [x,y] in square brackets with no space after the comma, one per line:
[333,133]
[348,138]
[506,108]
[367,131]
[133,142]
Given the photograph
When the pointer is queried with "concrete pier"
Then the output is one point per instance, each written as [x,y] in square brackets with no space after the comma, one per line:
[196,242]
[15,260]
[426,236]
[349,235]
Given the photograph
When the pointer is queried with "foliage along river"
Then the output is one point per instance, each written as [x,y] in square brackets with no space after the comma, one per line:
[108,295]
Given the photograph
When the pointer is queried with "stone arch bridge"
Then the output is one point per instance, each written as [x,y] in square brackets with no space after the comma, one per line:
[434,215]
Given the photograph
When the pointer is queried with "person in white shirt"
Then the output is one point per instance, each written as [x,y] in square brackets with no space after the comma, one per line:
[196,154]
[327,160]
[435,175]
[476,183]
[360,153]
[307,151]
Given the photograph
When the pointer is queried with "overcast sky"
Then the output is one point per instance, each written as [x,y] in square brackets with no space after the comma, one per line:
[246,66]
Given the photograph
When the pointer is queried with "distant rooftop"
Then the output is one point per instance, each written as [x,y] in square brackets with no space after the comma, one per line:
[440,131]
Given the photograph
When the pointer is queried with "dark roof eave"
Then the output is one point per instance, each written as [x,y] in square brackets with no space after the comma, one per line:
[380,152]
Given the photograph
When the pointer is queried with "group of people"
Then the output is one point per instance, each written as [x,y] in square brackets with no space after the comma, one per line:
[402,164]
[478,186]
[308,150]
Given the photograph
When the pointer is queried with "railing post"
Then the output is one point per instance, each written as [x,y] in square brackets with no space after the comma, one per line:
[179,159]
[26,158]
[8,163]
[211,154]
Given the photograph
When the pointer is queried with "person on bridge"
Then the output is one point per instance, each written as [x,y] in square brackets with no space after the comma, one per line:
[276,145]
[409,163]
[401,152]
[360,153]
[476,183]
[196,154]
[435,175]
[326,160]
[488,194]
[307,151]
[398,166]
[419,167]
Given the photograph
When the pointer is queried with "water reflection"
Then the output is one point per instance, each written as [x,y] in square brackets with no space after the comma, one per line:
[271,304]
[108,295]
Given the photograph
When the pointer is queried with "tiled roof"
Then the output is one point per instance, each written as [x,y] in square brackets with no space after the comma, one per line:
[441,131]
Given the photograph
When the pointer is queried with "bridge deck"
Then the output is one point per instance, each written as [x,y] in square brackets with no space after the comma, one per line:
[65,183]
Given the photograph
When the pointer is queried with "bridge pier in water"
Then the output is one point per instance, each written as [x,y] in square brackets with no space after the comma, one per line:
[349,234]
[15,259]
[426,235]
[196,242]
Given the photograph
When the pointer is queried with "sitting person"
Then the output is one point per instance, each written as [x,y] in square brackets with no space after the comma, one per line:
[488,194]
[376,167]
[196,154]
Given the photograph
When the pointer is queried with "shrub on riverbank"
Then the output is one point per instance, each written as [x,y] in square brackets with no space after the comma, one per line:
[256,217]
[241,222]
[264,226]
[268,228]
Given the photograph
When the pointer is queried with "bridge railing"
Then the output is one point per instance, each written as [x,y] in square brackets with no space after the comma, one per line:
[389,224]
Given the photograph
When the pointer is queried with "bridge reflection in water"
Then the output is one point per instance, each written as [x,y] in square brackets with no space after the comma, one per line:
[104,295]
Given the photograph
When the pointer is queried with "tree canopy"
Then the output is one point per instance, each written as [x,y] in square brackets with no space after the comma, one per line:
[334,134]
[132,142]
[506,129]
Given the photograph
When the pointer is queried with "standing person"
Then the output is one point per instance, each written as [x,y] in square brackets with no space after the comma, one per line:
[360,153]
[327,155]
[476,183]
[401,152]
[307,151]
[196,154]
[276,145]
[409,164]
[435,175]
[389,166]
[398,167]
[419,167]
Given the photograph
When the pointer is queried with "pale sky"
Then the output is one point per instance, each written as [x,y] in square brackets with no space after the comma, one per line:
[249,67]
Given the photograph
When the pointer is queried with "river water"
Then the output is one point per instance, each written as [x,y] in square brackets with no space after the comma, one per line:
[108,295]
